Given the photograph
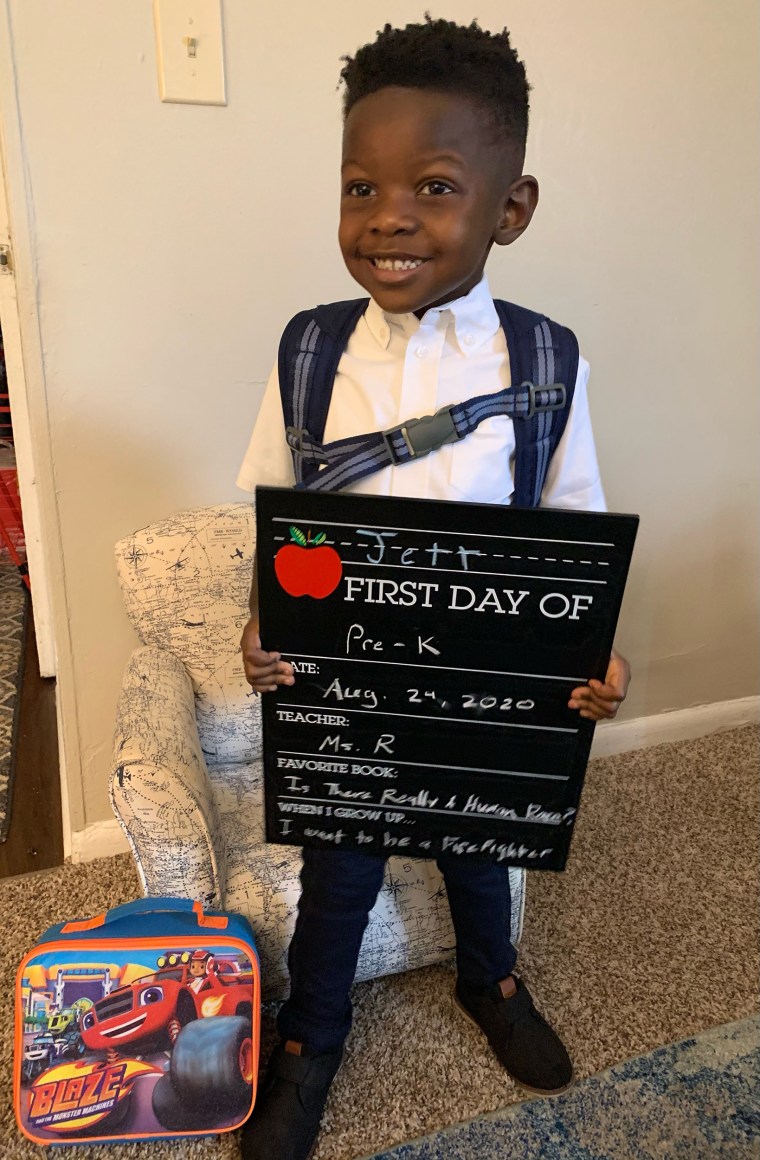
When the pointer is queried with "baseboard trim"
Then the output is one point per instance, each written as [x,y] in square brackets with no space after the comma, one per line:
[676,725]
[104,839]
[100,840]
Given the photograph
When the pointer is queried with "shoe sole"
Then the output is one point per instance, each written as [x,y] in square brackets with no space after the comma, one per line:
[520,1083]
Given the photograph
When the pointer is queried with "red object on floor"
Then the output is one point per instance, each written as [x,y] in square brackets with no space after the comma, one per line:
[11,522]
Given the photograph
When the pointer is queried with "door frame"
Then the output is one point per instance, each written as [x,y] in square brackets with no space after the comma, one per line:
[23,443]
[25,363]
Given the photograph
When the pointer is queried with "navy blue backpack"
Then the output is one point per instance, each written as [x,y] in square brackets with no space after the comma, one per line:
[544,362]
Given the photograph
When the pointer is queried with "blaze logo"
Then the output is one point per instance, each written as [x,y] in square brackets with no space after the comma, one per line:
[74,1096]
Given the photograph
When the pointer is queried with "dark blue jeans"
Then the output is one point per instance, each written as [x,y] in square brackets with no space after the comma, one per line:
[339,888]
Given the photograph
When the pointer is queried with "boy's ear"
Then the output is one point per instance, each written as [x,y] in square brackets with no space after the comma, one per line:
[518,207]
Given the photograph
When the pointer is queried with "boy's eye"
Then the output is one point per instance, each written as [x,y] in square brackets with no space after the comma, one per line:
[436,187]
[360,189]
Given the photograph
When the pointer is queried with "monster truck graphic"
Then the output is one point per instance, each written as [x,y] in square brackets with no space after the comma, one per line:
[204,1019]
[38,1055]
[64,1027]
[61,1021]
[46,1049]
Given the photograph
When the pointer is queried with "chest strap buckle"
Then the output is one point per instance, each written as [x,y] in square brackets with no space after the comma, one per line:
[421,436]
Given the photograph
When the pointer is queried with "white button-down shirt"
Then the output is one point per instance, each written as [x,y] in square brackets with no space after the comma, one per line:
[397,367]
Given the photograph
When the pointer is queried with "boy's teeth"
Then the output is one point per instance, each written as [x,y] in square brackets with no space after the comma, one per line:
[397,263]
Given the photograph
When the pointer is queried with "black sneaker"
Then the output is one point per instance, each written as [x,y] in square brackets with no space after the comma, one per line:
[284,1123]
[523,1041]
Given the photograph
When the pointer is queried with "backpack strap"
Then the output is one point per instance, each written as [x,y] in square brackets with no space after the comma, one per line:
[345,461]
[540,352]
[311,349]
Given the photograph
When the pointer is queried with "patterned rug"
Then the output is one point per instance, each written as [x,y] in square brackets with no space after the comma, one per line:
[13,609]
[697,1099]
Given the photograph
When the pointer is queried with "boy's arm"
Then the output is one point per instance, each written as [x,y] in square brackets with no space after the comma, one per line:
[267,461]
[264,671]
[573,482]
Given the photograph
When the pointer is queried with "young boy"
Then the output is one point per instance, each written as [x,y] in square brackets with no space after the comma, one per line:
[435,122]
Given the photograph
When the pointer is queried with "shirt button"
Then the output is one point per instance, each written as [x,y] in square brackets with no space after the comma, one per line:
[469,339]
[421,351]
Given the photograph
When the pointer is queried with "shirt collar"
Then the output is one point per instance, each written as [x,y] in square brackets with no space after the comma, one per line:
[473,317]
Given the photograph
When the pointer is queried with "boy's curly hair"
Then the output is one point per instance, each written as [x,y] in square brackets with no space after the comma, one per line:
[446,57]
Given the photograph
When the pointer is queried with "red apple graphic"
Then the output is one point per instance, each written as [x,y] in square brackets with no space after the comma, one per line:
[307,567]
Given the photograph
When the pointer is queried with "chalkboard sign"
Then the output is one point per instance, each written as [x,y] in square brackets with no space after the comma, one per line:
[435,645]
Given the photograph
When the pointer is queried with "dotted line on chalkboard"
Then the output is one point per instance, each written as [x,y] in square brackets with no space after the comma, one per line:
[501,556]
[496,555]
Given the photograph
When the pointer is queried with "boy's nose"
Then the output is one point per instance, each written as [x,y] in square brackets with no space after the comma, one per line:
[393,215]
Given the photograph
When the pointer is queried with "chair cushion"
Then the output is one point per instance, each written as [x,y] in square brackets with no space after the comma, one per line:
[410,925]
[186,583]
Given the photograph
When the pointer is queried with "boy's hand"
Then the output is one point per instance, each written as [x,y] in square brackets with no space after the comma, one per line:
[264,671]
[599,701]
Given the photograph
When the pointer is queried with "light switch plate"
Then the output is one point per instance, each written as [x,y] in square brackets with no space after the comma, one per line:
[190,51]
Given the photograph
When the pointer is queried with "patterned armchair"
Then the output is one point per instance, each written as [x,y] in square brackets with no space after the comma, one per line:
[186,782]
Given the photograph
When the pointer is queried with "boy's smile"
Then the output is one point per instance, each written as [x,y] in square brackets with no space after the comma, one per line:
[426,191]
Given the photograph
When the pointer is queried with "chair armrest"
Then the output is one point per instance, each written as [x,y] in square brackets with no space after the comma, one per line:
[160,789]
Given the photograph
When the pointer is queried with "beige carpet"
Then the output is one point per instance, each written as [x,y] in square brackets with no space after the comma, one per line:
[650,935]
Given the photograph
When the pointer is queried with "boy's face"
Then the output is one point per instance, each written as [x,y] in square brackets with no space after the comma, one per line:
[426,192]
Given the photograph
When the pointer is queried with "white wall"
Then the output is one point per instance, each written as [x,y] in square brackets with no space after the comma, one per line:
[172,242]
